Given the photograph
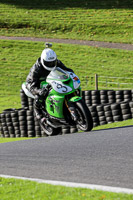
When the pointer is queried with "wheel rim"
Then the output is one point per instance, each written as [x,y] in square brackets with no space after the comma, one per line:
[81,121]
[49,129]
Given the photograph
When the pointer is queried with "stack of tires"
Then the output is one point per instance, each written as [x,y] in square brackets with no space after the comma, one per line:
[94,114]
[106,106]
[86,95]
[6,125]
[111,96]
[131,108]
[24,99]
[96,97]
[109,113]
[69,129]
[127,110]
[101,114]
[22,122]
[103,97]
[19,123]
[128,95]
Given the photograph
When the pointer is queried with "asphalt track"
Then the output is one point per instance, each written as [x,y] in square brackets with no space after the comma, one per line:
[102,157]
[78,42]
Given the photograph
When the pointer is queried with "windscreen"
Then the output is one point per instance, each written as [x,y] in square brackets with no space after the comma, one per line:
[58,73]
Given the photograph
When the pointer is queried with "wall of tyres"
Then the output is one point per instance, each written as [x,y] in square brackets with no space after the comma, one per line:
[106,106]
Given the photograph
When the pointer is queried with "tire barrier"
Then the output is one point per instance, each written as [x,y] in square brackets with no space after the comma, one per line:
[109,113]
[96,97]
[106,106]
[23,123]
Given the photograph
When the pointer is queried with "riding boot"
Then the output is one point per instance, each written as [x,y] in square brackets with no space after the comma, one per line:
[38,113]
[37,108]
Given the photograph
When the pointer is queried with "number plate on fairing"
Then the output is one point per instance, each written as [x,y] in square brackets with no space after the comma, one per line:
[59,87]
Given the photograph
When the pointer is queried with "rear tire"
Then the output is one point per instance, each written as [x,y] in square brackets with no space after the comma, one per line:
[85,122]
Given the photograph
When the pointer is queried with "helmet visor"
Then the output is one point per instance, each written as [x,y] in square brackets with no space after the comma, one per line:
[50,64]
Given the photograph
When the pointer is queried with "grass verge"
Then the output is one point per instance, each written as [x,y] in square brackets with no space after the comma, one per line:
[90,20]
[4,140]
[20,189]
[115,125]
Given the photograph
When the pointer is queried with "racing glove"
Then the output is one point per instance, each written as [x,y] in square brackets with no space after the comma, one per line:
[44,91]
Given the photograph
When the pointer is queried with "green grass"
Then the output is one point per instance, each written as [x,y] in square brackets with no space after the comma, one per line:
[27,190]
[17,57]
[87,20]
[4,140]
[115,125]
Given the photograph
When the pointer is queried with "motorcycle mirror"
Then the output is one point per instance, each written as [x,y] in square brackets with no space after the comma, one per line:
[48,45]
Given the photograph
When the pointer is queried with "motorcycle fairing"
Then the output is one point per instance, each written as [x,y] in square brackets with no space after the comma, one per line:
[75,98]
[60,87]
[54,105]
[75,78]
[59,79]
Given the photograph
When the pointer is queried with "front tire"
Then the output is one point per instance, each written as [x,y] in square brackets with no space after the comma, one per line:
[84,122]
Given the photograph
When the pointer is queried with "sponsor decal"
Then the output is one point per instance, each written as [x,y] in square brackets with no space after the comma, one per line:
[76,79]
[53,100]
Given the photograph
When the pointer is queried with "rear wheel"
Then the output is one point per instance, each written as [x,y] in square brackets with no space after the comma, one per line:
[84,122]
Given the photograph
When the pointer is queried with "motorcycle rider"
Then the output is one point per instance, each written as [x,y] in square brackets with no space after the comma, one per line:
[38,73]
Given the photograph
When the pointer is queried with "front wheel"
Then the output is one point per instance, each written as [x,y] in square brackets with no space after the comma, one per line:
[84,122]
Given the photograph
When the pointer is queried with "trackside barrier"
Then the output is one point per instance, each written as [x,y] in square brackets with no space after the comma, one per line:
[106,106]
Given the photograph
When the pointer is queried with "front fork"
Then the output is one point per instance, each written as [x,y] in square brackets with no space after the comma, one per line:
[72,108]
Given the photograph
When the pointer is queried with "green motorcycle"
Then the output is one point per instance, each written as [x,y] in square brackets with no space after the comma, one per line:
[63,104]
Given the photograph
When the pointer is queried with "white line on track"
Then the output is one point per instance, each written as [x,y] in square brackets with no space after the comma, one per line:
[76,185]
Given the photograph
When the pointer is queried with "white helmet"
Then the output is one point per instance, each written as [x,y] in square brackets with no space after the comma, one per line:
[49,59]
